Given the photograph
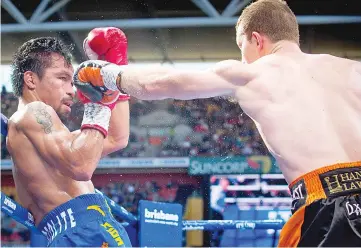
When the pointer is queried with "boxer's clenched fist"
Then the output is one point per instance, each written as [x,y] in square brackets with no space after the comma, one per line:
[96,80]
[109,44]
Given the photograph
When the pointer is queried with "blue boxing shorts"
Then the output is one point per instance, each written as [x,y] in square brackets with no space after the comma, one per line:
[83,221]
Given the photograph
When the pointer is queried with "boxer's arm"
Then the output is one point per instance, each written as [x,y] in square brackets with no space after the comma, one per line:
[75,156]
[118,133]
[155,83]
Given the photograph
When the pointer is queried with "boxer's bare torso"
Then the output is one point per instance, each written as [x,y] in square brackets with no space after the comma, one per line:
[40,186]
[307,108]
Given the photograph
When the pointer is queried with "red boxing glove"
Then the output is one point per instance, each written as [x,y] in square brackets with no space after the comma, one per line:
[109,44]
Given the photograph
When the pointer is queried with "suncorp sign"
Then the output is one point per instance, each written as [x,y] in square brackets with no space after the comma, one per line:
[232,165]
[199,167]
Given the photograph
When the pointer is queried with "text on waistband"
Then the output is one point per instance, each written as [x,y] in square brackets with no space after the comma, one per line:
[51,229]
[341,181]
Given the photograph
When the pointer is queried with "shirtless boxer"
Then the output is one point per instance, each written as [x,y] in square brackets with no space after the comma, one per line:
[306,107]
[53,166]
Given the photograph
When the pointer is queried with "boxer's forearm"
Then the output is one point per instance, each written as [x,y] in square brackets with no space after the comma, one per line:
[118,133]
[147,83]
[157,83]
[82,155]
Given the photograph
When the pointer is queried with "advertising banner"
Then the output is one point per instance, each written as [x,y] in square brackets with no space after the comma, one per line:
[233,165]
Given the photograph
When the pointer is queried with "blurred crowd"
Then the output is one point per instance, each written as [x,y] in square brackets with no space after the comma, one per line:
[223,128]
[205,127]
[129,194]
[12,232]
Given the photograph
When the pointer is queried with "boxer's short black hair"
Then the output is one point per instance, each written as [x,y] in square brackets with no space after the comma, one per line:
[36,55]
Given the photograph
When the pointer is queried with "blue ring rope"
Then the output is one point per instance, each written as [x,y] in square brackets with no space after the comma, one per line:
[119,211]
[17,212]
[4,125]
[211,225]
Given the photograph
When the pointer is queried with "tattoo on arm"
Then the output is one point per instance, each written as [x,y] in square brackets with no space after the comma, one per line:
[43,118]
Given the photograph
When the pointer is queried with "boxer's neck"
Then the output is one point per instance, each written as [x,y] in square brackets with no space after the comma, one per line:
[285,47]
[27,98]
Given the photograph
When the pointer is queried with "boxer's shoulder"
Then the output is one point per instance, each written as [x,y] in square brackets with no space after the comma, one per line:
[328,63]
[234,70]
[37,106]
[332,60]
[269,66]
[36,115]
[356,71]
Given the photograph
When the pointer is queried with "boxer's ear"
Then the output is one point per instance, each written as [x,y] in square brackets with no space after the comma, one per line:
[30,79]
[257,37]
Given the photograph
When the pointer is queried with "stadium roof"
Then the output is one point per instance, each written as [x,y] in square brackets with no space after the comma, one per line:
[188,30]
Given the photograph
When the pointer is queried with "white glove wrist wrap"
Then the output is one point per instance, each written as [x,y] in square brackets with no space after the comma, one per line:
[96,116]
[110,73]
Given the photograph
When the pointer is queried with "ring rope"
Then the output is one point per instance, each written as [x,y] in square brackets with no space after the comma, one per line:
[211,225]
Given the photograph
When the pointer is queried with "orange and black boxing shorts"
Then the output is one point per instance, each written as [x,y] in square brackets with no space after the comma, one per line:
[326,208]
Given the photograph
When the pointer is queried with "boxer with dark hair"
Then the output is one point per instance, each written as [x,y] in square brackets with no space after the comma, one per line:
[307,108]
[53,166]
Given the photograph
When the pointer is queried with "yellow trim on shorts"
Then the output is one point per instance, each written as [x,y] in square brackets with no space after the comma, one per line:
[96,208]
